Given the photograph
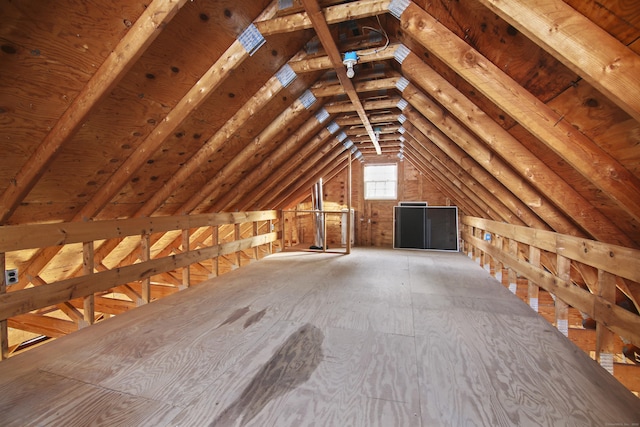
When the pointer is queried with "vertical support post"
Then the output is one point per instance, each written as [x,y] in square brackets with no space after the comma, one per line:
[513,277]
[499,244]
[562,309]
[237,237]
[479,252]
[349,201]
[88,302]
[269,230]
[4,330]
[282,228]
[324,231]
[532,288]
[186,271]
[145,255]
[604,336]
[255,233]
[215,266]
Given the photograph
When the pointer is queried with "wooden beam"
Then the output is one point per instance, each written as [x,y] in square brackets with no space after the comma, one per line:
[452,172]
[324,63]
[324,34]
[232,171]
[488,160]
[30,236]
[241,194]
[88,305]
[42,325]
[442,185]
[379,104]
[205,86]
[596,165]
[323,90]
[23,301]
[134,43]
[581,45]
[313,151]
[299,191]
[529,167]
[211,80]
[258,101]
[333,15]
[618,319]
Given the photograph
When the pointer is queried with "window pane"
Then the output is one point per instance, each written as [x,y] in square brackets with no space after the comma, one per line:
[380,181]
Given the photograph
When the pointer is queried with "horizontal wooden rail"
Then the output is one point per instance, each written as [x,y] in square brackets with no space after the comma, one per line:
[179,244]
[18,237]
[545,260]
[616,260]
[26,300]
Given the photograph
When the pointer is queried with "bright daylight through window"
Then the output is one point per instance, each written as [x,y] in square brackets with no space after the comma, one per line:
[380,182]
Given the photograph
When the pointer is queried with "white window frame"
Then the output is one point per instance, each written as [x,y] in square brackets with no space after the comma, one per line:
[384,184]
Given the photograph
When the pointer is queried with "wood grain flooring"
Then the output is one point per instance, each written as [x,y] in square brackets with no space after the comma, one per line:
[375,338]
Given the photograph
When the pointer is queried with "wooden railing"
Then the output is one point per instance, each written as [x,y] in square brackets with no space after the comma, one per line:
[580,273]
[131,274]
[295,222]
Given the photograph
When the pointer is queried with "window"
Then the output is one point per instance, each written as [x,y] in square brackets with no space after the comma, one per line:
[380,182]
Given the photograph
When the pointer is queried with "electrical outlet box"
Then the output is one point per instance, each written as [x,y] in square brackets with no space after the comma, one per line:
[11,276]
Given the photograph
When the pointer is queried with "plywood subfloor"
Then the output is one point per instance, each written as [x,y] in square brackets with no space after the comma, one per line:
[375,338]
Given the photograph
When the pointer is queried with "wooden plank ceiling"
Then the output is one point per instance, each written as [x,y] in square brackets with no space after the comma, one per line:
[527,114]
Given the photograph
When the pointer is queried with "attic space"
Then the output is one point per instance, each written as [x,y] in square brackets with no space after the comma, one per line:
[150,148]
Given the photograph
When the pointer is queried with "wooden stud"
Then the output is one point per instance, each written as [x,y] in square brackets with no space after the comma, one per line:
[255,233]
[237,237]
[562,309]
[215,241]
[532,288]
[145,255]
[4,331]
[604,337]
[186,271]
[88,303]
[512,246]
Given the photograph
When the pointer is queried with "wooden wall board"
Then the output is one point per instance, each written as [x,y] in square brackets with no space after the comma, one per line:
[620,19]
[448,364]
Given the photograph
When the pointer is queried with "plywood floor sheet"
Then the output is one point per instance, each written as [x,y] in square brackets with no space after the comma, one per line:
[375,338]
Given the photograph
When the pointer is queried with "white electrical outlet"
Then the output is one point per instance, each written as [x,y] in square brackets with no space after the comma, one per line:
[11,276]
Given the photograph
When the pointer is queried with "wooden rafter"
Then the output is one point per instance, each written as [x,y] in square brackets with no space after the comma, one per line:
[200,91]
[498,167]
[596,165]
[530,167]
[143,32]
[214,76]
[324,34]
[450,150]
[578,43]
[450,170]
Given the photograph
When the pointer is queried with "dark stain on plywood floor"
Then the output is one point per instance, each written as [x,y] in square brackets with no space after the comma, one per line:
[291,365]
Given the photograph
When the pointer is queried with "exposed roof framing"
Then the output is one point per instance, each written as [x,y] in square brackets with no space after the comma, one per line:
[518,112]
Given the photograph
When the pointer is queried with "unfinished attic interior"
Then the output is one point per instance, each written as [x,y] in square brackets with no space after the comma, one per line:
[206,211]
